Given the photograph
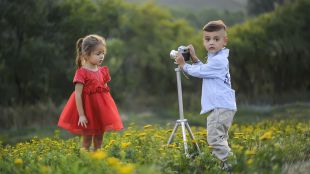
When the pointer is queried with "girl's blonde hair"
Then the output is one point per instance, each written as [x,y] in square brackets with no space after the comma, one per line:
[86,45]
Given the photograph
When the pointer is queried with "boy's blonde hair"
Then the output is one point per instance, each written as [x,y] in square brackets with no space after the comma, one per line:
[215,26]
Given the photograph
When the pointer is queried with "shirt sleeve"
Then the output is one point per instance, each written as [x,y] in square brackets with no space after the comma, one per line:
[106,74]
[213,69]
[79,77]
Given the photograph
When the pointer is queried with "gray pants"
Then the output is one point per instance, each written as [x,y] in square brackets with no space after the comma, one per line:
[218,124]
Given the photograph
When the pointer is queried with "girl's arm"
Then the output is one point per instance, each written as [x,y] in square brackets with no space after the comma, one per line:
[79,104]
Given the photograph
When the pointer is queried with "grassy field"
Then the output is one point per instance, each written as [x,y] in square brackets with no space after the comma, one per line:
[263,147]
[264,140]
[167,118]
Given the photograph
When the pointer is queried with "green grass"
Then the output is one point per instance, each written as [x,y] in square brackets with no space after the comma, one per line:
[254,114]
[162,117]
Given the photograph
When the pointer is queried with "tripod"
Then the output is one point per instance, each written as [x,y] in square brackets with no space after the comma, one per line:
[182,122]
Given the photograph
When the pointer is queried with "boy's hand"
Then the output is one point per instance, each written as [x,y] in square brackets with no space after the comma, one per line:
[82,121]
[193,53]
[180,60]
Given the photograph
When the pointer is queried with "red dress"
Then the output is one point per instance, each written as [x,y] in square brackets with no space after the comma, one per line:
[99,107]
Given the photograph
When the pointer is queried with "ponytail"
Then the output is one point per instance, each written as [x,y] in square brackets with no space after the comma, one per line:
[78,59]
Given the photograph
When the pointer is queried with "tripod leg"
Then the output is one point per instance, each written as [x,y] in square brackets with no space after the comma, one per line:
[173,132]
[184,137]
[192,136]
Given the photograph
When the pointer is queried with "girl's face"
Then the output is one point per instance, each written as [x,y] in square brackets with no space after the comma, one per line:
[214,41]
[97,56]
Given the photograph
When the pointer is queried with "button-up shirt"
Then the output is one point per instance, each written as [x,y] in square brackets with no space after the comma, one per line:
[216,85]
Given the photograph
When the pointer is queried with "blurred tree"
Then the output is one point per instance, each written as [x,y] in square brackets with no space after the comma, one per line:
[198,19]
[39,40]
[256,7]
[270,53]
[24,53]
[37,49]
[149,35]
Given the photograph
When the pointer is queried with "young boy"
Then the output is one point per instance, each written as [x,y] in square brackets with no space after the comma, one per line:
[217,97]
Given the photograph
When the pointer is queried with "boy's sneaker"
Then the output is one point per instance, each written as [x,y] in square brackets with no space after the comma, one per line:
[228,163]
[226,166]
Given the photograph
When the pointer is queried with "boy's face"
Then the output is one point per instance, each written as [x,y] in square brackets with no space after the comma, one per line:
[215,40]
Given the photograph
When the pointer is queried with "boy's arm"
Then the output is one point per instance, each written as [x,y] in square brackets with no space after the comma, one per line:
[212,69]
[181,62]
[79,104]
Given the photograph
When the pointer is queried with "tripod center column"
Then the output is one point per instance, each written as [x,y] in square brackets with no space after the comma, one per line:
[180,99]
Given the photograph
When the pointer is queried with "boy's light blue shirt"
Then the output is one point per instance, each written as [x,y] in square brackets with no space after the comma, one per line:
[216,86]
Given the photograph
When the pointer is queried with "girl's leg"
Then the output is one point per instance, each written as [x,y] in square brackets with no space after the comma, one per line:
[97,141]
[86,141]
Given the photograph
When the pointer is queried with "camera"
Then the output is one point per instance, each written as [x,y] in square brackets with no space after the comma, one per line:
[183,50]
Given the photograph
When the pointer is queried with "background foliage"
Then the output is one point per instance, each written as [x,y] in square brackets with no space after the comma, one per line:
[269,63]
[269,53]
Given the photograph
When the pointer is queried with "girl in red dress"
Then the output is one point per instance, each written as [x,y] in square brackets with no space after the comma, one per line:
[90,110]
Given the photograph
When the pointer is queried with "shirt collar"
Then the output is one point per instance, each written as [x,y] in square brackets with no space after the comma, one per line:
[224,51]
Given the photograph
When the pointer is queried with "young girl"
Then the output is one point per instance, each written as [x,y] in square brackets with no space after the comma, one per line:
[90,110]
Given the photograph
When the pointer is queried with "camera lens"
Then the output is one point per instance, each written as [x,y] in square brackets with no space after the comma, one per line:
[173,54]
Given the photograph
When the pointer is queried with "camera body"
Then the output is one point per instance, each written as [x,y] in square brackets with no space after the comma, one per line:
[183,50]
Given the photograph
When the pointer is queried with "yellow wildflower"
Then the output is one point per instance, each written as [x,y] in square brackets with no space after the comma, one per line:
[142,134]
[125,145]
[168,131]
[111,142]
[98,155]
[113,161]
[205,133]
[147,126]
[172,145]
[251,152]
[249,161]
[127,134]
[126,169]
[158,136]
[202,141]
[18,161]
[237,147]
[45,169]
[83,150]
[164,145]
[266,136]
